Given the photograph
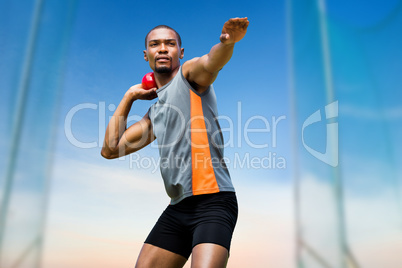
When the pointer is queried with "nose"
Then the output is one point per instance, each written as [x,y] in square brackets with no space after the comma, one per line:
[162,48]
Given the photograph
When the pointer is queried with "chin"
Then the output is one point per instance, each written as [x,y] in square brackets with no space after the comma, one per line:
[163,70]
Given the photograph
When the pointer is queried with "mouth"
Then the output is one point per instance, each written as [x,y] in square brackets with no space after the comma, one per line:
[163,59]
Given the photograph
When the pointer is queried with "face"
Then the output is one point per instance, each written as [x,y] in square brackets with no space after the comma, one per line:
[163,52]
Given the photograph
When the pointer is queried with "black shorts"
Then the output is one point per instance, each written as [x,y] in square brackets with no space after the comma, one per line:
[209,218]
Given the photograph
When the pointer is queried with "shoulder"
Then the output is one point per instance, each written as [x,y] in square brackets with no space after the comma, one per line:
[196,75]
[187,67]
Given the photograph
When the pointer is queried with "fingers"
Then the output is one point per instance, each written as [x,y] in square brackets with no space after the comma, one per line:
[153,95]
[239,22]
[245,23]
[234,30]
[137,92]
[150,94]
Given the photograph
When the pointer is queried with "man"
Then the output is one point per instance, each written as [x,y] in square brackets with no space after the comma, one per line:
[203,210]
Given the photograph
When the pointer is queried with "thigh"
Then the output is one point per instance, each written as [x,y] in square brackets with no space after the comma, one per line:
[216,221]
[155,257]
[170,234]
[207,255]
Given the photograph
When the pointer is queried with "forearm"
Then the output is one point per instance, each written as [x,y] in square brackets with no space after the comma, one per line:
[117,125]
[218,56]
[203,71]
[120,140]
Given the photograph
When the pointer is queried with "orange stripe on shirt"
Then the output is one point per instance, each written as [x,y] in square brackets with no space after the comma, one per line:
[204,181]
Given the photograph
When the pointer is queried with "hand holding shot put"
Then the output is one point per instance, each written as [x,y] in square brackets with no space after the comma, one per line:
[202,213]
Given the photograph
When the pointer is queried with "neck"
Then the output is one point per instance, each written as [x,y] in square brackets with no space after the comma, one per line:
[164,78]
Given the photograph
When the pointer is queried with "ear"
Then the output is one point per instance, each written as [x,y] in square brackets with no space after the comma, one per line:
[181,53]
[145,55]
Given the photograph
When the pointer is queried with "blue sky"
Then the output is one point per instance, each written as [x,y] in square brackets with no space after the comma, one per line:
[106,58]
[105,205]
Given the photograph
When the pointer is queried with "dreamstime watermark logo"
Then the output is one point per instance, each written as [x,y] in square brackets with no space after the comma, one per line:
[330,156]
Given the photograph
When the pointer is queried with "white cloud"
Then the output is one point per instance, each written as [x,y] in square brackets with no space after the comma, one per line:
[111,208]
[96,210]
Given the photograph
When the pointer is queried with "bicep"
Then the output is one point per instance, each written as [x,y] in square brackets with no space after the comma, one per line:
[136,137]
[196,71]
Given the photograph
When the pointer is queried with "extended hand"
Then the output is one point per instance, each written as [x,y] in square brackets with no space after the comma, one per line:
[234,30]
[136,92]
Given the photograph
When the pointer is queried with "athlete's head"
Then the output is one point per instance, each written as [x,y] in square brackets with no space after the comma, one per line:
[163,27]
[163,49]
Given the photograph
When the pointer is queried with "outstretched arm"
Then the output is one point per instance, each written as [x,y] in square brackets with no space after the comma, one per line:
[120,140]
[202,72]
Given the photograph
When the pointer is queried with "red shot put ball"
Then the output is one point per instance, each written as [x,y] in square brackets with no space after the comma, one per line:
[148,81]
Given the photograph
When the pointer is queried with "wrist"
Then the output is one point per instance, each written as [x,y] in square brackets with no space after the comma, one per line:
[130,97]
[228,44]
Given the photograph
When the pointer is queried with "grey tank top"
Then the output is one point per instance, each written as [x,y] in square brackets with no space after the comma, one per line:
[190,140]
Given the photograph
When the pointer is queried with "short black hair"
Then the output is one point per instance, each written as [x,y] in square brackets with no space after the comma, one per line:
[163,27]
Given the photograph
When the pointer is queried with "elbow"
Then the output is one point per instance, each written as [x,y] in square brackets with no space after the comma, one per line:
[107,154]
